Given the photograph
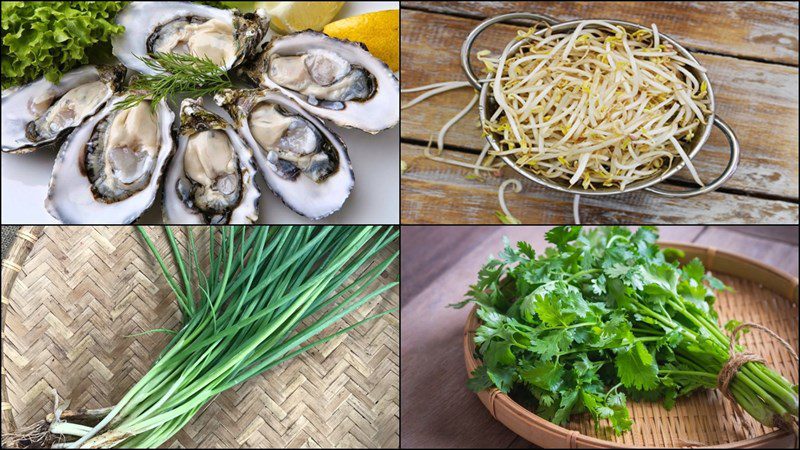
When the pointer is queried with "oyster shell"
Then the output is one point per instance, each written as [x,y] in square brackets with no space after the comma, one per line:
[212,179]
[334,79]
[226,37]
[42,112]
[303,162]
[109,169]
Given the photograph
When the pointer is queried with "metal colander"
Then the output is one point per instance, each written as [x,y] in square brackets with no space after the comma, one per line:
[487,107]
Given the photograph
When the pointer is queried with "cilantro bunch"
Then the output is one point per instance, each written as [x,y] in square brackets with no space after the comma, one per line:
[605,316]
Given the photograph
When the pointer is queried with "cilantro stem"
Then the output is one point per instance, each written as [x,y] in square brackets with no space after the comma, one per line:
[582,273]
[694,373]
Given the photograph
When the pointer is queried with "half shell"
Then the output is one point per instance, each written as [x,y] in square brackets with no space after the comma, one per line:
[224,36]
[333,79]
[42,113]
[109,169]
[303,162]
[212,179]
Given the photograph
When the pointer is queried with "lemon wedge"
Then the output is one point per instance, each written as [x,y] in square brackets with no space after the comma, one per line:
[379,31]
[288,17]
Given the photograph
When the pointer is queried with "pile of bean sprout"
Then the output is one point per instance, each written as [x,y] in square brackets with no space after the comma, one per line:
[599,105]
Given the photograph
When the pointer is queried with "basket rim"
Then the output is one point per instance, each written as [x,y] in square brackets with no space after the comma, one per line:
[572,437]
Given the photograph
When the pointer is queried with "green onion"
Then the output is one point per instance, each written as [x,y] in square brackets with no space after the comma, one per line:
[262,298]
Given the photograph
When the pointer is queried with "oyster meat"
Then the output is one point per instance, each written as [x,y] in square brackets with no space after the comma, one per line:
[109,169]
[323,77]
[212,179]
[334,79]
[226,37]
[303,162]
[42,112]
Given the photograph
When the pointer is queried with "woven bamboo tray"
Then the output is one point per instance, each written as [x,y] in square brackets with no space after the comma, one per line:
[705,419]
[72,295]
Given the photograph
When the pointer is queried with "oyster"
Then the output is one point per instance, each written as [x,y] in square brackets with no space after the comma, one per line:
[42,112]
[224,36]
[304,163]
[334,79]
[212,179]
[109,169]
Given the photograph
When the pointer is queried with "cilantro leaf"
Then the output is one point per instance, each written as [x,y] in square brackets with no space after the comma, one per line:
[503,378]
[637,368]
[694,270]
[561,236]
[480,380]
[716,283]
[526,249]
[568,400]
[546,375]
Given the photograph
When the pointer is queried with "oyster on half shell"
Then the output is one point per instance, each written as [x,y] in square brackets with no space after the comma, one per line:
[303,162]
[41,113]
[109,169]
[226,37]
[212,179]
[333,79]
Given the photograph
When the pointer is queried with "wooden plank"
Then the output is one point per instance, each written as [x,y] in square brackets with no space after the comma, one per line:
[434,192]
[784,234]
[447,415]
[767,250]
[754,98]
[431,251]
[755,30]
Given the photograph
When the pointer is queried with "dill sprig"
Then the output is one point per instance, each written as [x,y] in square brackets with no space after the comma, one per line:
[176,74]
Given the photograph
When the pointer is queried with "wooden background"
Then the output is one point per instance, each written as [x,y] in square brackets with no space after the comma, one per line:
[749,48]
[438,264]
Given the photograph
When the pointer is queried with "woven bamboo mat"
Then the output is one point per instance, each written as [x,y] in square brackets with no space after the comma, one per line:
[72,295]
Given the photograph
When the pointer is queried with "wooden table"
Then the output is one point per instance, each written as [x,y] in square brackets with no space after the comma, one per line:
[438,263]
[749,48]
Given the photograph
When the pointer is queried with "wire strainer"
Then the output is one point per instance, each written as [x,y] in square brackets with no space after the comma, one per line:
[487,107]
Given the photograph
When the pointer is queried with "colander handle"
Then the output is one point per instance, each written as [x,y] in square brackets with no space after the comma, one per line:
[466,48]
[733,142]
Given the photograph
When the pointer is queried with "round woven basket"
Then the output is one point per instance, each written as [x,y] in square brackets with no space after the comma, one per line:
[74,296]
[705,419]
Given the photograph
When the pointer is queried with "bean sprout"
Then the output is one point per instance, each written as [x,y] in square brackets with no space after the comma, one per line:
[453,120]
[436,156]
[597,106]
[433,89]
[506,216]
[481,157]
[438,88]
